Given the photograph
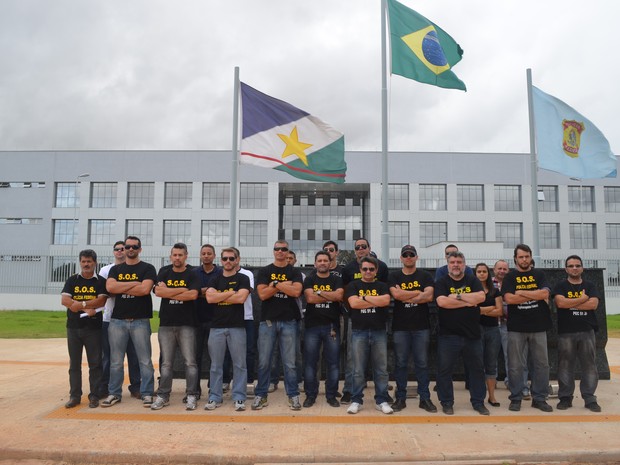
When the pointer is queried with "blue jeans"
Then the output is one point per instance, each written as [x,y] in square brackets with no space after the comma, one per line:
[312,350]
[448,349]
[276,365]
[285,334]
[520,347]
[120,332]
[365,342]
[219,340]
[171,337]
[572,347]
[491,343]
[132,362]
[406,344]
[250,358]
[79,339]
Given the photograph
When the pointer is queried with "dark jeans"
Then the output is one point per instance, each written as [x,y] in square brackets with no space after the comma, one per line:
[448,349]
[415,344]
[77,340]
[313,339]
[520,347]
[491,343]
[132,363]
[572,347]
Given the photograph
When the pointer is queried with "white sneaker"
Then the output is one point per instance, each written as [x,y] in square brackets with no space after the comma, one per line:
[239,405]
[354,407]
[191,403]
[212,405]
[147,401]
[384,407]
[159,403]
[272,387]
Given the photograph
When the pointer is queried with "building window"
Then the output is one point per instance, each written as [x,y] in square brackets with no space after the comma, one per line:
[178,195]
[550,202]
[432,233]
[253,195]
[470,197]
[177,231]
[103,195]
[65,232]
[142,229]
[22,185]
[66,195]
[582,235]
[507,198]
[253,233]
[472,232]
[215,232]
[101,232]
[140,194]
[549,235]
[581,198]
[398,196]
[613,235]
[21,220]
[612,199]
[433,197]
[510,234]
[215,195]
[399,233]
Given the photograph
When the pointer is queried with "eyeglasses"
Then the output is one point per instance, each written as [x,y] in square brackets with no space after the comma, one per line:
[118,249]
[368,270]
[329,249]
[408,255]
[228,259]
[280,249]
[573,266]
[361,246]
[135,247]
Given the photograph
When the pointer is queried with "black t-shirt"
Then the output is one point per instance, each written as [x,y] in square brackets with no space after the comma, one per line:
[227,315]
[489,300]
[82,290]
[351,272]
[324,313]
[407,316]
[174,312]
[280,307]
[368,318]
[129,306]
[571,320]
[463,321]
[531,316]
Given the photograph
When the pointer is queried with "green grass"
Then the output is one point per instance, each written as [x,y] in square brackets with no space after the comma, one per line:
[613,325]
[39,324]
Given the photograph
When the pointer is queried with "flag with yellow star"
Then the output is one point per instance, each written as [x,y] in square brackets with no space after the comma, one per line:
[277,135]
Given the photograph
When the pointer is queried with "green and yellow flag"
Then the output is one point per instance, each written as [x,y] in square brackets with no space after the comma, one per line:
[421,50]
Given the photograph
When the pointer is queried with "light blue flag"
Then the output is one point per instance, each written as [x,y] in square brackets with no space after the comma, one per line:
[568,143]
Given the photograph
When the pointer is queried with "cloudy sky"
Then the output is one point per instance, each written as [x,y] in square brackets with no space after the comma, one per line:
[158,75]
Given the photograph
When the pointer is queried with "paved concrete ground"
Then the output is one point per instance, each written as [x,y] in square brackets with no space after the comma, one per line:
[35,428]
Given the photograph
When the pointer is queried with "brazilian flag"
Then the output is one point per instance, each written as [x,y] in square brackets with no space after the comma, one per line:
[421,50]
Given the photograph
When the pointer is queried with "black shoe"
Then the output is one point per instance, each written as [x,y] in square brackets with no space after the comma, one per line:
[428,405]
[447,409]
[564,404]
[593,407]
[333,402]
[482,410]
[399,405]
[542,406]
[136,395]
[73,402]
[309,402]
[346,398]
[93,402]
[515,406]
[338,394]
[493,404]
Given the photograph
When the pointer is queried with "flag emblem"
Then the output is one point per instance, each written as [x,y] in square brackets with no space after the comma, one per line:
[425,45]
[572,137]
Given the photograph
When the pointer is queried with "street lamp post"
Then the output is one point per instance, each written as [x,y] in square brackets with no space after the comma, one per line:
[75,214]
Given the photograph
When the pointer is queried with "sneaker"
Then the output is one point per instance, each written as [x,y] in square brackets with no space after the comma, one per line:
[526,394]
[225,387]
[294,403]
[159,403]
[427,404]
[212,405]
[542,406]
[447,409]
[354,407]
[399,405]
[272,387]
[110,401]
[593,407]
[309,402]
[239,405]
[346,398]
[259,403]
[191,403]
[147,401]
[384,407]
[482,410]
[515,405]
[564,404]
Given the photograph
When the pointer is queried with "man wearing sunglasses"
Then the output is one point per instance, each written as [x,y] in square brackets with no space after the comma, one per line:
[576,300]
[369,301]
[332,250]
[412,290]
[132,282]
[278,285]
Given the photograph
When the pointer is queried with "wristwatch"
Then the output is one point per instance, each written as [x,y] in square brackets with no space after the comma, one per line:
[459,297]
[83,304]
[318,292]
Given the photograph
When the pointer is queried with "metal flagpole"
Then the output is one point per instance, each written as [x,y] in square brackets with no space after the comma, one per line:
[533,173]
[234,184]
[385,239]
